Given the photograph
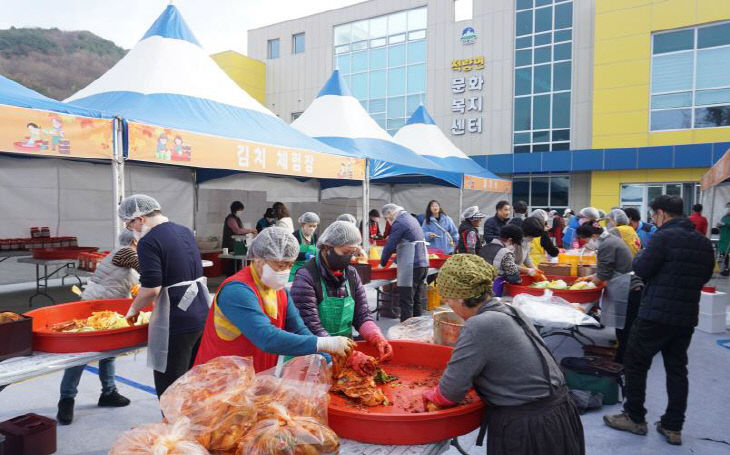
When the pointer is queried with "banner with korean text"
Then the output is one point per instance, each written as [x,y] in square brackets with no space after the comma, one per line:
[488,185]
[46,133]
[185,148]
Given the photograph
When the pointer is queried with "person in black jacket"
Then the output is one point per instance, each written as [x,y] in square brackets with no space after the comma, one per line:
[493,225]
[675,265]
[469,241]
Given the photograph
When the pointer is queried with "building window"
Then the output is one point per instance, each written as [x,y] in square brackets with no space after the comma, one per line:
[640,195]
[690,78]
[297,43]
[542,75]
[272,49]
[295,115]
[542,192]
[383,61]
[463,10]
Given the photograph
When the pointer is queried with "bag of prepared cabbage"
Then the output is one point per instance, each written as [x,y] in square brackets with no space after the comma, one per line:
[158,439]
[282,433]
[302,388]
[217,398]
[551,311]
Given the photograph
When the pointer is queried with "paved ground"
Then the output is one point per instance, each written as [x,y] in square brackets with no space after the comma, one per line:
[95,429]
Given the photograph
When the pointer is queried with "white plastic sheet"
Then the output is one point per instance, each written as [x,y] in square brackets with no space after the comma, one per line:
[548,310]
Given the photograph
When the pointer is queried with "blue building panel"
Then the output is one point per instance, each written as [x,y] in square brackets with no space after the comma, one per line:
[695,155]
[588,160]
[559,161]
[528,162]
[624,158]
[655,157]
[500,164]
[718,150]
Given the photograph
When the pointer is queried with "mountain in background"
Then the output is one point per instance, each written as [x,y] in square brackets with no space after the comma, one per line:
[54,62]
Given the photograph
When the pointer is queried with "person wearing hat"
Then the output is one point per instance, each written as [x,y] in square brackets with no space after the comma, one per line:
[469,241]
[542,245]
[329,294]
[617,223]
[407,241]
[532,229]
[307,239]
[172,282]
[500,253]
[268,220]
[252,314]
[528,408]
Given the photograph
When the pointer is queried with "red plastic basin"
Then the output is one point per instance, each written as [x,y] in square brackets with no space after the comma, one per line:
[47,340]
[438,263]
[418,365]
[66,252]
[383,274]
[573,296]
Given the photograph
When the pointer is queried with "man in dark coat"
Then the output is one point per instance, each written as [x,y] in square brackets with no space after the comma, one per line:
[493,225]
[674,267]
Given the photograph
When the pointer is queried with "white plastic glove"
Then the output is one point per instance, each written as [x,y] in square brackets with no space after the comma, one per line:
[531,272]
[338,346]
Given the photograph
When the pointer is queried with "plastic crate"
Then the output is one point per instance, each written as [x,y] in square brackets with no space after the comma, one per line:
[29,434]
[17,338]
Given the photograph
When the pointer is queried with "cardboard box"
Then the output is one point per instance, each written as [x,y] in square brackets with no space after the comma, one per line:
[555,269]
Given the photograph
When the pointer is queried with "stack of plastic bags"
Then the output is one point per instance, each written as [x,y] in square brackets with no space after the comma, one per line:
[223,408]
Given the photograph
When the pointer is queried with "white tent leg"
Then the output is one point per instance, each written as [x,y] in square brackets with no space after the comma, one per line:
[461,201]
[117,177]
[195,202]
[366,207]
[712,210]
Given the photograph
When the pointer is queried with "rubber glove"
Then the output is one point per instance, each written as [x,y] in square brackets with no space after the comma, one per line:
[372,334]
[132,315]
[433,396]
[339,346]
[539,276]
[362,363]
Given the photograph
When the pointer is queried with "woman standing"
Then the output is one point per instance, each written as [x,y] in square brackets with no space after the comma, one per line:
[528,409]
[266,221]
[233,225]
[307,239]
[329,294]
[617,224]
[253,315]
[469,240]
[439,229]
[283,219]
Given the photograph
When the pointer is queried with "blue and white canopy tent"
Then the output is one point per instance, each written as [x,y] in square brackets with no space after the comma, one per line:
[168,87]
[423,136]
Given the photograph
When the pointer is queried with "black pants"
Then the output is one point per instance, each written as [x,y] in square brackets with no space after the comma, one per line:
[648,338]
[182,349]
[410,298]
[622,335]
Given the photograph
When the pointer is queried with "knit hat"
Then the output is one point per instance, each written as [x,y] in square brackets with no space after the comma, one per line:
[465,276]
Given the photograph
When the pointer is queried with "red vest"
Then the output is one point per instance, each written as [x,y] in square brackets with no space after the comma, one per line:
[212,346]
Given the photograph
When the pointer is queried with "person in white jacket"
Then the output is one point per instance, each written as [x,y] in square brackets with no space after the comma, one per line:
[283,218]
[114,278]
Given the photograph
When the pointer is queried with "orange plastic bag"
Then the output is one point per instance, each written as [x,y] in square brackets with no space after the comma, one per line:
[158,439]
[217,398]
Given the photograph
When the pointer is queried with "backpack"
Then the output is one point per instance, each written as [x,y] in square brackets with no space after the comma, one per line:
[594,374]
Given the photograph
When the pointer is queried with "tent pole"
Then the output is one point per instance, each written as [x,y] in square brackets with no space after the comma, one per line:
[366,207]
[117,177]
[195,202]
[461,200]
[712,211]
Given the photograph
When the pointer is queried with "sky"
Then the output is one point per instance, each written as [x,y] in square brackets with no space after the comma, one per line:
[219,25]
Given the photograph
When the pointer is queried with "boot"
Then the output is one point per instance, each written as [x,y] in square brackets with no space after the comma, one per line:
[624,423]
[113,400]
[673,437]
[65,411]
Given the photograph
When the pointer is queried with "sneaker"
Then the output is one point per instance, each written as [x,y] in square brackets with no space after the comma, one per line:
[65,411]
[624,423]
[673,437]
[113,400]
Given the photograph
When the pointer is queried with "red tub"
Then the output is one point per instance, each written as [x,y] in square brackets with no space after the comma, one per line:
[383,274]
[573,296]
[47,340]
[439,262]
[418,367]
[67,252]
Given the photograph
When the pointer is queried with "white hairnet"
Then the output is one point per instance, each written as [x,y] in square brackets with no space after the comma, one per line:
[541,214]
[347,217]
[391,209]
[601,215]
[137,205]
[472,212]
[619,217]
[340,233]
[274,243]
[126,237]
[589,212]
[309,218]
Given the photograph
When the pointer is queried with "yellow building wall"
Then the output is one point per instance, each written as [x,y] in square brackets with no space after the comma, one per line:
[606,185]
[622,69]
[247,72]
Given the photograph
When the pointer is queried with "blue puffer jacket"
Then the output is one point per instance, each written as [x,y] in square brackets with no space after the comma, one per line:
[569,233]
[405,227]
[444,228]
[674,266]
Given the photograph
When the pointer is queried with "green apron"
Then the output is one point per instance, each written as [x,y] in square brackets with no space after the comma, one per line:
[336,313]
[311,249]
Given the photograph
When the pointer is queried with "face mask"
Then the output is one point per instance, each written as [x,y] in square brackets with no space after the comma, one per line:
[137,235]
[592,244]
[337,261]
[239,214]
[144,230]
[308,231]
[273,279]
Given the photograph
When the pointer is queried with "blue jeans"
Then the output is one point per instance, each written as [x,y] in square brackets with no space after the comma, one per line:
[72,377]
